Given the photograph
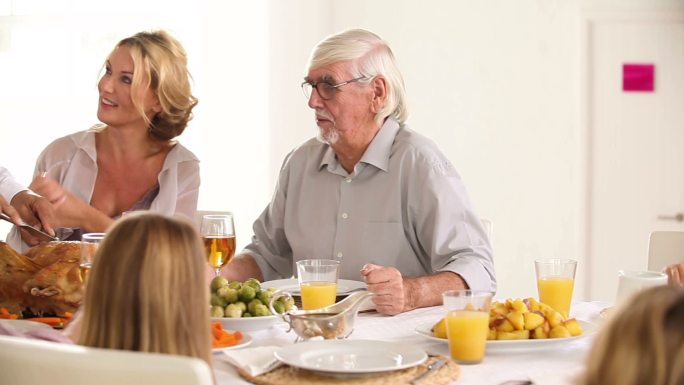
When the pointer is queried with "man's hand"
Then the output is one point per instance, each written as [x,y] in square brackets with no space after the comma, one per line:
[6,208]
[675,274]
[35,211]
[395,294]
[391,294]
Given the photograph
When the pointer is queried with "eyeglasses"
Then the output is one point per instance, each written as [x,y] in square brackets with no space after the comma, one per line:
[325,90]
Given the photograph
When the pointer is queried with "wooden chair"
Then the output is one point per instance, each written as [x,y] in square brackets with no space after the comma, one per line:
[665,248]
[36,362]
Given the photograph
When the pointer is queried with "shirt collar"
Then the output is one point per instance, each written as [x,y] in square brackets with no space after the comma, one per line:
[85,140]
[378,151]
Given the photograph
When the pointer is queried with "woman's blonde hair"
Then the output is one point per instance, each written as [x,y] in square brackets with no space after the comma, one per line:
[160,63]
[371,56]
[146,291]
[643,343]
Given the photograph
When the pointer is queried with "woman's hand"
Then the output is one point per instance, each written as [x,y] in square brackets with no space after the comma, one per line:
[70,210]
[675,274]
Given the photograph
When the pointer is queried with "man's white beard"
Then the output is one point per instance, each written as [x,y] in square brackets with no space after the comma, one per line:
[330,137]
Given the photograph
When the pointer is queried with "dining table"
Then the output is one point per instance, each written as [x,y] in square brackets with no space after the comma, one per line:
[530,363]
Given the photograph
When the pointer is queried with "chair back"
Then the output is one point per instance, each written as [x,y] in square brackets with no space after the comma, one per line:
[665,248]
[36,362]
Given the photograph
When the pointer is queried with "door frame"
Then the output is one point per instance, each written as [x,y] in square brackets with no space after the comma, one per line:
[589,19]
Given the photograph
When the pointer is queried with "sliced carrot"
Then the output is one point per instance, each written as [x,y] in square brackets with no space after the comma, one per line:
[55,322]
[222,338]
[4,311]
[68,315]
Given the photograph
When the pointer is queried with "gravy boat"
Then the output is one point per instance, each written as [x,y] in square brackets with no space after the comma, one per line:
[331,322]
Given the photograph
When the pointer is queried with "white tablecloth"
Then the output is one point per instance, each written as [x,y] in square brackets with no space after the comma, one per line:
[550,366]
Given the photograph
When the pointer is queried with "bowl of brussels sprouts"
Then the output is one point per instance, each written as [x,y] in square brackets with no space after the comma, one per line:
[244,305]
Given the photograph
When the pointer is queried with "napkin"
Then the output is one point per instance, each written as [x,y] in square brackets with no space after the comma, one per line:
[255,361]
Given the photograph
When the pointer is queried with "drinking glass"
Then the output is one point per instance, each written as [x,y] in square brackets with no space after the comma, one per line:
[218,234]
[555,282]
[89,245]
[317,282]
[467,323]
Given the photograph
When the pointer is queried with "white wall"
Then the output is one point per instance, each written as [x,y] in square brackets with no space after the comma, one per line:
[495,83]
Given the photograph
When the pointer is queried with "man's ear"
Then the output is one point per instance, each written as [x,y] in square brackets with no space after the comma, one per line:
[379,86]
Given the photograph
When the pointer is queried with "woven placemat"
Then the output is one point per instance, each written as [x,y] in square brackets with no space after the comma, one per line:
[287,375]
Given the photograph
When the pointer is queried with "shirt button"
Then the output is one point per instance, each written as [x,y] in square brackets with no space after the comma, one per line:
[339,255]
[348,180]
[345,216]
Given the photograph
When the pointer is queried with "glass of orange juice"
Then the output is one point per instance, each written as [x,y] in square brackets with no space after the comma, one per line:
[317,282]
[555,282]
[467,323]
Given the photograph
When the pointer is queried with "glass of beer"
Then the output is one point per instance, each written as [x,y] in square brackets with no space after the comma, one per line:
[317,282]
[218,234]
[555,282]
[89,244]
[467,324]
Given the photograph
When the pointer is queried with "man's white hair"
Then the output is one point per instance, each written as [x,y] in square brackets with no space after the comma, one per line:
[370,56]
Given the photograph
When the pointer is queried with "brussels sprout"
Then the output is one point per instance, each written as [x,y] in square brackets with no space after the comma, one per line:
[230,295]
[261,310]
[287,302]
[246,314]
[271,290]
[251,305]
[222,290]
[264,297]
[254,283]
[215,300]
[235,285]
[279,307]
[216,311]
[233,311]
[246,293]
[242,306]
[217,283]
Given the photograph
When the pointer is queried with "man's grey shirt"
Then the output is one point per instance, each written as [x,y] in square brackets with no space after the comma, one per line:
[404,205]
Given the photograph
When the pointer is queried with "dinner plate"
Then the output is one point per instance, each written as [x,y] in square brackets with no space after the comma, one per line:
[246,340]
[495,345]
[351,356]
[247,324]
[291,285]
[22,325]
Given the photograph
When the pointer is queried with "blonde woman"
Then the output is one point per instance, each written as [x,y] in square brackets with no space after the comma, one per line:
[132,160]
[643,343]
[146,291]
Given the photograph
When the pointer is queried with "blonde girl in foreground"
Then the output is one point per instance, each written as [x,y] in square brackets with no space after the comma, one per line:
[146,291]
[643,343]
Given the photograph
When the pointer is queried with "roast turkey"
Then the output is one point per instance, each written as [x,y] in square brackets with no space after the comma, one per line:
[45,281]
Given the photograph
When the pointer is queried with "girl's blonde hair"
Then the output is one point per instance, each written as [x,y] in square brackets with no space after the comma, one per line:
[160,63]
[643,343]
[146,291]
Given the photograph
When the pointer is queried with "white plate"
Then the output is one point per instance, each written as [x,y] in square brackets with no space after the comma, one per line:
[351,356]
[291,285]
[494,345]
[247,324]
[22,325]
[246,340]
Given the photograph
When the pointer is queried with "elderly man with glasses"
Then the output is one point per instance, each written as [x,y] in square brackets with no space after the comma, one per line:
[369,192]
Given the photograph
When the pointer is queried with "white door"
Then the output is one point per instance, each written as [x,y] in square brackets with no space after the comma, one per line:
[635,144]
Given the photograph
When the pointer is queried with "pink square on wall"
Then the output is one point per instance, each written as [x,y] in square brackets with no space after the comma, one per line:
[638,77]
